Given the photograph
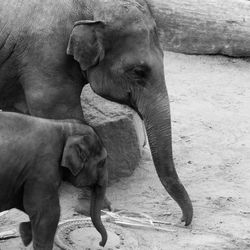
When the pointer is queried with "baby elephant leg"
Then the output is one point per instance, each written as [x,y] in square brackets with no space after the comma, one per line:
[25,232]
[41,203]
[44,227]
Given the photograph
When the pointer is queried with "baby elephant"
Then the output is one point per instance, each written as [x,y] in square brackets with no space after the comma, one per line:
[35,155]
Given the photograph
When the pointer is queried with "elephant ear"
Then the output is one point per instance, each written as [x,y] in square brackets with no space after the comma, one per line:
[85,43]
[74,157]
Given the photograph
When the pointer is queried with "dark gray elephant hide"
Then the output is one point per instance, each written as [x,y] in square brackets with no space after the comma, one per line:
[111,44]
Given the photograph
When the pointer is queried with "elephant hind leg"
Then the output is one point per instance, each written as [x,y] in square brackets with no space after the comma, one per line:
[25,232]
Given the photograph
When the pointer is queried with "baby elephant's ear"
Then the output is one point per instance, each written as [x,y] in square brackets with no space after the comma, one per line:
[74,157]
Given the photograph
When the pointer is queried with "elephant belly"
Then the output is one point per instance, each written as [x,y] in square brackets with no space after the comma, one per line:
[5,206]
[9,201]
[11,188]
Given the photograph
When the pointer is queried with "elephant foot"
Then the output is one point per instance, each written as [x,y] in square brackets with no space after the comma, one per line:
[25,232]
[83,205]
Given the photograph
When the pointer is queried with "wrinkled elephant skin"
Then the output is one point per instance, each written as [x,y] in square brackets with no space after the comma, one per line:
[49,49]
[35,155]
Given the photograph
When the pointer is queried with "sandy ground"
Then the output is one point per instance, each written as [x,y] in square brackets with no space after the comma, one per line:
[210,105]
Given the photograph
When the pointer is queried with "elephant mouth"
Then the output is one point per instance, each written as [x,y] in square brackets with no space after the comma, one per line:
[129,103]
[134,107]
[132,104]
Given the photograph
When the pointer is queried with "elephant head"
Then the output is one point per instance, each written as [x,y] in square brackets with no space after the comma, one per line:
[84,157]
[121,56]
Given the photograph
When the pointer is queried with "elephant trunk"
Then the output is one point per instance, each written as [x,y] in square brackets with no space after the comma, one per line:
[156,116]
[97,198]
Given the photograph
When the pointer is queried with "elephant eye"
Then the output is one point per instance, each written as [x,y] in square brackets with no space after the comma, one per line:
[141,71]
[101,164]
[138,73]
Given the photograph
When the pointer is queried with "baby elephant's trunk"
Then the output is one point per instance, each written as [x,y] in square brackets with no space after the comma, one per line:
[97,198]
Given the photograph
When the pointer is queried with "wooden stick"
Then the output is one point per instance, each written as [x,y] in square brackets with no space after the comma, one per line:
[143,226]
[245,212]
[162,222]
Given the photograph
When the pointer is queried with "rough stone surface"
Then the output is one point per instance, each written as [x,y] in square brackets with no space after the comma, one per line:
[204,27]
[120,129]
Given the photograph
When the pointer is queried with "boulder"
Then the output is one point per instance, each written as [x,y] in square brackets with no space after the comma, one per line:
[120,129]
[204,27]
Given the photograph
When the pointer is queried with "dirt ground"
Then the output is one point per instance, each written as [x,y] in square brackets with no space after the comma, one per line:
[209,98]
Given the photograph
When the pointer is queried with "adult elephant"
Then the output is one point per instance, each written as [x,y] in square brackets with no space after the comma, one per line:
[111,44]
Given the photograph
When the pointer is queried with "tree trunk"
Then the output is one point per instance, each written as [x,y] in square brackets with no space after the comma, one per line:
[204,26]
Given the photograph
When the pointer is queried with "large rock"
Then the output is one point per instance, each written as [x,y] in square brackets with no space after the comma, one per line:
[120,129]
[204,27]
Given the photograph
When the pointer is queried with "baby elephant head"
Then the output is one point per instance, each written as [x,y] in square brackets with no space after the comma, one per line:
[84,156]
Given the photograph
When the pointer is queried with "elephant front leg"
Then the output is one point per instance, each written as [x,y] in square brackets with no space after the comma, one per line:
[41,203]
[13,99]
[44,227]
